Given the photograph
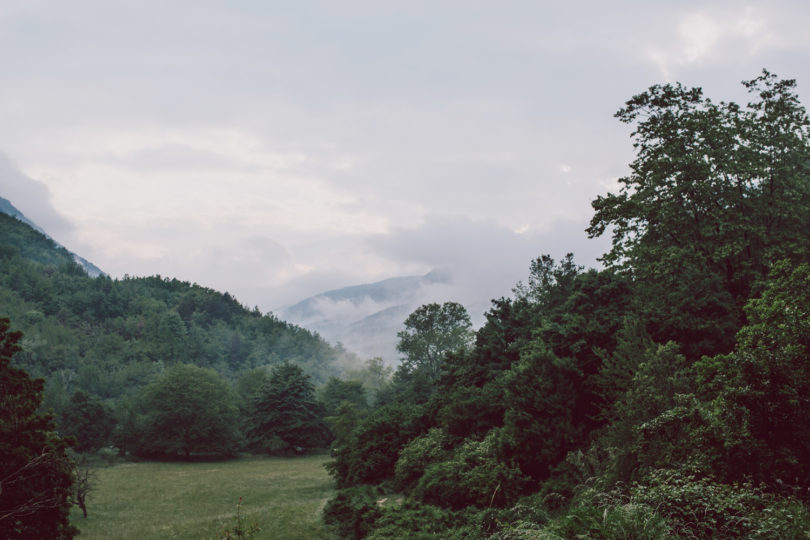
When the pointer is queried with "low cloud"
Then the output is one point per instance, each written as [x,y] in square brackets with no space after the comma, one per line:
[485,259]
[33,199]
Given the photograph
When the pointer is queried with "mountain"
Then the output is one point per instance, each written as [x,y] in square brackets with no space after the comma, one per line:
[107,337]
[366,318]
[7,208]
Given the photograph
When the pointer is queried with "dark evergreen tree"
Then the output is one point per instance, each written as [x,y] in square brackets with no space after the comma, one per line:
[35,472]
[87,420]
[285,415]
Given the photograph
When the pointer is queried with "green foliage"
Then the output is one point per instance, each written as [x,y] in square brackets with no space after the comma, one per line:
[187,410]
[239,529]
[374,375]
[700,507]
[421,522]
[627,521]
[337,392]
[284,414]
[538,424]
[373,448]
[417,455]
[89,421]
[472,475]
[431,332]
[767,378]
[716,193]
[35,472]
[352,512]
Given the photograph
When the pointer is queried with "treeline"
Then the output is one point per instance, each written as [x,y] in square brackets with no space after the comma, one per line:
[665,395]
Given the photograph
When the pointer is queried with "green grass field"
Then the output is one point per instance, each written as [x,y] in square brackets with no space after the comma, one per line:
[284,496]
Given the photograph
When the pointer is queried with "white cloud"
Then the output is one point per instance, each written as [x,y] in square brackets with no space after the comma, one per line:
[715,34]
[280,149]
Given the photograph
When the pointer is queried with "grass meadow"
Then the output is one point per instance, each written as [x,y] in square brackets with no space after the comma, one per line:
[283,496]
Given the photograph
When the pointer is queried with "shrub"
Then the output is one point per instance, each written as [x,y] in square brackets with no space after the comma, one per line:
[700,507]
[352,512]
[473,476]
[372,449]
[417,456]
[421,522]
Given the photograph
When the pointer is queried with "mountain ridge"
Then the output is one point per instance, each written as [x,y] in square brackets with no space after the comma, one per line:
[6,207]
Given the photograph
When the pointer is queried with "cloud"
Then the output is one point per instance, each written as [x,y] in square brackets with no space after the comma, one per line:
[485,259]
[33,199]
[715,35]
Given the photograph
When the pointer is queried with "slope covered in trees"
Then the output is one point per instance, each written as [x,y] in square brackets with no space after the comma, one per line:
[664,395]
[100,343]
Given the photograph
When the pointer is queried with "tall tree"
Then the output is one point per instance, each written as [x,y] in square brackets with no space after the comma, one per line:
[431,332]
[35,473]
[285,413]
[716,193]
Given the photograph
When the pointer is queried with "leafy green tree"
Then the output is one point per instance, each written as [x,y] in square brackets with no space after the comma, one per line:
[374,375]
[35,472]
[344,404]
[716,193]
[374,445]
[337,391]
[430,333]
[768,375]
[186,410]
[88,421]
[285,415]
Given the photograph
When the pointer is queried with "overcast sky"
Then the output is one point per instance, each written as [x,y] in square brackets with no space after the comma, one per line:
[279,149]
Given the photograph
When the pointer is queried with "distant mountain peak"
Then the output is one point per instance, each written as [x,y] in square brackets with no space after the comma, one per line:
[9,209]
[366,318]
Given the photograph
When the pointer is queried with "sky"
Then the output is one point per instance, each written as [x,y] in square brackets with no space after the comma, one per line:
[275,150]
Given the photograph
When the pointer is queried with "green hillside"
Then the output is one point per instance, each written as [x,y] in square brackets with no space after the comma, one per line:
[107,338]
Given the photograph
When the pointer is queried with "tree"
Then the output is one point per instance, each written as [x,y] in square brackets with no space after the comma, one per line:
[187,410]
[374,446]
[336,392]
[716,193]
[769,376]
[285,414]
[88,421]
[84,478]
[431,332]
[35,473]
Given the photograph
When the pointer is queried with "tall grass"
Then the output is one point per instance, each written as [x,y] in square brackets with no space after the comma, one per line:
[283,496]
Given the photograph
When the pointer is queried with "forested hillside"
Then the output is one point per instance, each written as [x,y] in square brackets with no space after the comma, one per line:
[107,339]
[664,395]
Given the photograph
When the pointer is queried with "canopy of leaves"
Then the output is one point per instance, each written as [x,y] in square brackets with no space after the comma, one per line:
[716,193]
[187,410]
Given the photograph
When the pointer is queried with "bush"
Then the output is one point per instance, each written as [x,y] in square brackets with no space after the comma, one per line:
[422,522]
[627,521]
[372,449]
[700,507]
[352,512]
[417,456]
[473,476]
